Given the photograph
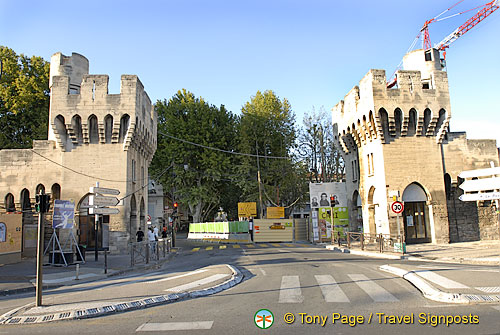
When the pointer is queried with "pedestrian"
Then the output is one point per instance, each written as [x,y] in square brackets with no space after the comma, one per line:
[155,231]
[250,228]
[164,231]
[152,240]
[140,235]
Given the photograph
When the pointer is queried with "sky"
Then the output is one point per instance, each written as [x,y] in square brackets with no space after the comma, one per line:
[311,52]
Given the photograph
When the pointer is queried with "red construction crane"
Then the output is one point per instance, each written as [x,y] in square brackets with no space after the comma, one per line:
[484,11]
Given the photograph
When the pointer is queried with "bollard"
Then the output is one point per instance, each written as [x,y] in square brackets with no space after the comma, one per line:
[147,252]
[132,256]
[77,271]
[105,261]
[163,243]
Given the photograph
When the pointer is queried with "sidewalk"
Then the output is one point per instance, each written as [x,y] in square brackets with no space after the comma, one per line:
[21,277]
[478,252]
[128,293]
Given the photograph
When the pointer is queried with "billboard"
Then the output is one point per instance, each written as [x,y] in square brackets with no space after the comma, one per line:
[320,193]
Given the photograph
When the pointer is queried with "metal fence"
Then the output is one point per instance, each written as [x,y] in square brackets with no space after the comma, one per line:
[371,242]
[145,251]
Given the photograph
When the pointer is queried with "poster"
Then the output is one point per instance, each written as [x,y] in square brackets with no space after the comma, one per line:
[320,194]
[325,223]
[340,221]
[64,213]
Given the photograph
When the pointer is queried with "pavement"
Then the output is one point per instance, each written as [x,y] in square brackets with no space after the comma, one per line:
[463,273]
[459,273]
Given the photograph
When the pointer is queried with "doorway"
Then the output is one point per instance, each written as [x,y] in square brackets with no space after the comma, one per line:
[415,218]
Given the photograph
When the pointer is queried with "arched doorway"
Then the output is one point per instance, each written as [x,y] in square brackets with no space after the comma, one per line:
[133,218]
[416,214]
[86,226]
[371,211]
[357,212]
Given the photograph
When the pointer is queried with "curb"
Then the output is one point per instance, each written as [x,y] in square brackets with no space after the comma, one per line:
[363,253]
[432,293]
[9,318]
[99,277]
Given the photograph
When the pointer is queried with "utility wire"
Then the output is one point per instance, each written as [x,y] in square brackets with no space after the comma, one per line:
[221,150]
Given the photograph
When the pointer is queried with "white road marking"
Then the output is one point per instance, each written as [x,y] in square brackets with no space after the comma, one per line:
[290,291]
[197,283]
[155,327]
[491,289]
[375,291]
[440,280]
[330,289]
[175,277]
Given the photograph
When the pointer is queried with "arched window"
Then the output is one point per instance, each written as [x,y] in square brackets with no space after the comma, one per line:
[108,128]
[124,124]
[76,123]
[427,121]
[39,188]
[10,206]
[412,123]
[25,200]
[61,129]
[440,121]
[398,120]
[93,129]
[56,192]
[384,122]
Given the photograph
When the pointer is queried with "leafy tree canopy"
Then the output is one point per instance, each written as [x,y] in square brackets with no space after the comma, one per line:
[24,99]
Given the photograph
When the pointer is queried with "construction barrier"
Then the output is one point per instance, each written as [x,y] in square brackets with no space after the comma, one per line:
[273,230]
[228,232]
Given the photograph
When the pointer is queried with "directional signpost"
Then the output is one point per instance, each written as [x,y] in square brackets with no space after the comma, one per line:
[485,184]
[98,204]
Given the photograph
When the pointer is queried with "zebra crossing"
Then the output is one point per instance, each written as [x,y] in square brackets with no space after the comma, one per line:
[248,246]
[291,290]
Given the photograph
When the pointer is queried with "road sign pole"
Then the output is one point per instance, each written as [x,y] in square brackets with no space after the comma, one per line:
[39,255]
[96,224]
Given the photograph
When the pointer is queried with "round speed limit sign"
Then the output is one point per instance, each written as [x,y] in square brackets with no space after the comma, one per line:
[397,207]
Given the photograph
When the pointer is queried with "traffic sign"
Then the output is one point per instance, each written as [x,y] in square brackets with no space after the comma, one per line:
[481,184]
[104,211]
[99,200]
[480,196]
[397,207]
[104,190]
[480,173]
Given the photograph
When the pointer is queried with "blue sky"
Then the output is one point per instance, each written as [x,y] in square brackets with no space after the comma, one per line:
[310,52]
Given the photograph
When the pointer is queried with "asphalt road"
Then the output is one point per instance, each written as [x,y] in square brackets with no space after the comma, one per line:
[311,283]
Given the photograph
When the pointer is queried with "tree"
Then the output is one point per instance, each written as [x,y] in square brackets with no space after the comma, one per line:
[24,99]
[197,173]
[316,146]
[267,129]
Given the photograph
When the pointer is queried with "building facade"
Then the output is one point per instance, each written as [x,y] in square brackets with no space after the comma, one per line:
[396,144]
[93,136]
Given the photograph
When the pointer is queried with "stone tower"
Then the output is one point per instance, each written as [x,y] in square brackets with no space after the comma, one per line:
[391,139]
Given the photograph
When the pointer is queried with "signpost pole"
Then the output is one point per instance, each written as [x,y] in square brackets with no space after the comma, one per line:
[39,256]
[96,224]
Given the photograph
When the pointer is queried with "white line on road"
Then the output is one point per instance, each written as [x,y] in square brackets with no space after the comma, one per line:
[330,289]
[197,283]
[375,291]
[175,277]
[155,327]
[290,291]
[440,280]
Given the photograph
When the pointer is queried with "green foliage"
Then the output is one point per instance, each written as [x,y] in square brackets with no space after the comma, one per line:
[197,178]
[24,99]
[267,128]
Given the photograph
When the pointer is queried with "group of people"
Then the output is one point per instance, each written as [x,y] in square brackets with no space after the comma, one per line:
[152,234]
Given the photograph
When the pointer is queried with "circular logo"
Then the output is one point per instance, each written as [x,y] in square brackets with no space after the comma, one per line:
[263,319]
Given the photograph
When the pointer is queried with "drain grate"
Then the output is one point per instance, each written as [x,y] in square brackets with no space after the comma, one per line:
[48,317]
[121,306]
[64,315]
[31,319]
[108,308]
[14,320]
[92,311]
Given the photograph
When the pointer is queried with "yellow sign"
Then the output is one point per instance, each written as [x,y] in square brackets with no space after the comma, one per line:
[275,212]
[247,209]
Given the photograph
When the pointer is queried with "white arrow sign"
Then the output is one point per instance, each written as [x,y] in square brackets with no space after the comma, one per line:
[104,190]
[104,211]
[99,200]
[480,173]
[480,196]
[481,184]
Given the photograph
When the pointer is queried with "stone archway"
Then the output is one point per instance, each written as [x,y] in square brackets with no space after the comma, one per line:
[357,212]
[133,227]
[416,214]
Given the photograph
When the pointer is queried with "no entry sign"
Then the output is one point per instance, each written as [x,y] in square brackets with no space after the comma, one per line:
[397,207]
